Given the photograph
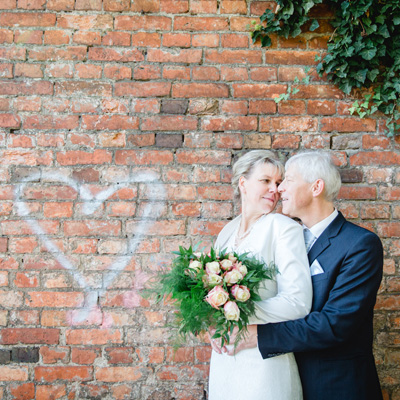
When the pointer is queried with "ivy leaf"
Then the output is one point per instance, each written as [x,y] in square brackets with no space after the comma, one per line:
[345,87]
[266,41]
[360,75]
[368,54]
[314,25]
[383,31]
[396,20]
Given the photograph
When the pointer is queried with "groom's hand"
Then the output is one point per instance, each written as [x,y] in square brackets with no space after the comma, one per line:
[249,341]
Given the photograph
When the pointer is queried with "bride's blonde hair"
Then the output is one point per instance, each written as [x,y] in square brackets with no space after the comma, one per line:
[245,165]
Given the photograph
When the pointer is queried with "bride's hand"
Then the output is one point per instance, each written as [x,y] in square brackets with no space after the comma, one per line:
[249,341]
[215,343]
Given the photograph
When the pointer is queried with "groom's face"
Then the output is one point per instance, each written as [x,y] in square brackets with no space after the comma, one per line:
[296,194]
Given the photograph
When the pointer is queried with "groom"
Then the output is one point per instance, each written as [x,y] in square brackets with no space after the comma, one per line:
[333,344]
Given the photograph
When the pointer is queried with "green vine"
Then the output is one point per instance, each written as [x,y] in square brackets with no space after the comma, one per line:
[363,52]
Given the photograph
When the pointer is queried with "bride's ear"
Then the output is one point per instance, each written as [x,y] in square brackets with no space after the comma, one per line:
[242,185]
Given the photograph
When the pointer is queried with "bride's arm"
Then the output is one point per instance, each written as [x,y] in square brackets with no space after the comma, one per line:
[294,289]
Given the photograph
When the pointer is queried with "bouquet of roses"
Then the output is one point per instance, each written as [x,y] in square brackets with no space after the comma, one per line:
[214,290]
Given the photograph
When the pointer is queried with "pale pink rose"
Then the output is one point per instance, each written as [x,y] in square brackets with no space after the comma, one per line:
[233,276]
[231,311]
[241,268]
[217,297]
[226,264]
[195,265]
[231,257]
[212,280]
[213,267]
[240,293]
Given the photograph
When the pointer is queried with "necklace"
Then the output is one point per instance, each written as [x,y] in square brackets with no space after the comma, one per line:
[247,232]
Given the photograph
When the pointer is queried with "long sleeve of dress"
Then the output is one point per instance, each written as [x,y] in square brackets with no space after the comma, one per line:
[294,289]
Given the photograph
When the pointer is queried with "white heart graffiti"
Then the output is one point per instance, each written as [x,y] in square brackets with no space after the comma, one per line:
[90,205]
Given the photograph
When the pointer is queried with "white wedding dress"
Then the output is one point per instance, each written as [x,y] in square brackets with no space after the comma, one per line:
[247,375]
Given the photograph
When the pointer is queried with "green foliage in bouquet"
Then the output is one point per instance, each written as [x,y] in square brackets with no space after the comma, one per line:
[363,51]
[197,291]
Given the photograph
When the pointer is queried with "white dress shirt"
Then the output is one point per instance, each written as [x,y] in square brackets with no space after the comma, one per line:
[318,228]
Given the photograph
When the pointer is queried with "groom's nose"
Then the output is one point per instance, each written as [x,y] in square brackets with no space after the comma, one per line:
[281,187]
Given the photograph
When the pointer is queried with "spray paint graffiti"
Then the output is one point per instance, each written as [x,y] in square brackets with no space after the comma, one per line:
[91,203]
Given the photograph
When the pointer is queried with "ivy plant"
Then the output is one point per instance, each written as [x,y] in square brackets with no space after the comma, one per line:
[363,52]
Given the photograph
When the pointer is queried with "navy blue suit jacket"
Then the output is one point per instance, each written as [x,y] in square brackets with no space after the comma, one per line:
[333,344]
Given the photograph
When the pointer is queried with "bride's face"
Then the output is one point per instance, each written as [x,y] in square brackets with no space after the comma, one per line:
[259,191]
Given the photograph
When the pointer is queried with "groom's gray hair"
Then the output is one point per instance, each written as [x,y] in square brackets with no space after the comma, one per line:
[313,165]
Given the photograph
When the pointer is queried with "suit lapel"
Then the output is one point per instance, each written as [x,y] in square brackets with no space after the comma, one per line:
[324,241]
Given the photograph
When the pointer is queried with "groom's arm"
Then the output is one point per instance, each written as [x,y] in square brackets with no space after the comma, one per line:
[350,300]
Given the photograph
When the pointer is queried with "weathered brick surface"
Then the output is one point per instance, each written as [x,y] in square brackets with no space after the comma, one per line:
[99,97]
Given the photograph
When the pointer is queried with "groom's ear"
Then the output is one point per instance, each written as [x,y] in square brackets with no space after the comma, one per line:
[317,187]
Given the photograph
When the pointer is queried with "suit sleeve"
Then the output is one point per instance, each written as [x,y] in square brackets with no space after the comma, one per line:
[351,298]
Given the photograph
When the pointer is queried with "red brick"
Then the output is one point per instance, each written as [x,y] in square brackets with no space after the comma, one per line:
[357,192]
[375,142]
[321,107]
[174,7]
[84,355]
[88,5]
[389,229]
[288,124]
[175,40]
[290,57]
[161,228]
[115,54]
[6,36]
[234,107]
[4,278]
[59,70]
[200,24]
[389,193]
[375,158]
[230,123]
[116,39]
[143,157]
[168,123]
[147,72]
[9,121]
[119,355]
[262,107]
[56,37]
[316,141]
[60,5]
[186,209]
[117,72]
[116,5]
[292,107]
[55,299]
[181,56]
[28,70]
[203,6]
[27,19]
[29,336]
[29,37]
[28,104]
[24,391]
[88,71]
[85,22]
[146,6]
[92,227]
[69,53]
[176,73]
[233,7]
[93,336]
[235,40]
[241,24]
[190,90]
[13,373]
[75,157]
[120,374]
[109,122]
[89,38]
[285,141]
[206,228]
[298,42]
[205,74]
[66,373]
[51,122]
[142,22]
[12,53]
[215,192]
[181,355]
[252,90]
[375,211]
[142,89]
[205,40]
[52,355]
[213,157]
[347,125]
[233,56]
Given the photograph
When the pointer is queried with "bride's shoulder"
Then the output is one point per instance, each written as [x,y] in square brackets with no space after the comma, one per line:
[230,225]
[283,221]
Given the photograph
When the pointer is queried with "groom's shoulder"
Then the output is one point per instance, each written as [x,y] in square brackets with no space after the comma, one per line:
[355,231]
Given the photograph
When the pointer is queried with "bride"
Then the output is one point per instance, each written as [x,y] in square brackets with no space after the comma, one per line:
[270,237]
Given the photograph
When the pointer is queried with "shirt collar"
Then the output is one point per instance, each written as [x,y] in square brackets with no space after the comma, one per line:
[318,228]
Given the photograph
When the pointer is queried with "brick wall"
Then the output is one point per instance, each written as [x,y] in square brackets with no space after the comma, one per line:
[113,110]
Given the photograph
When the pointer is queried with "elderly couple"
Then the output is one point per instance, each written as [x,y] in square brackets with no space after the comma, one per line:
[312,335]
